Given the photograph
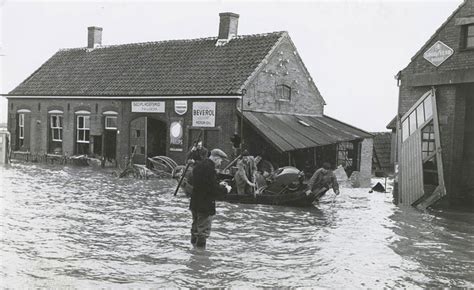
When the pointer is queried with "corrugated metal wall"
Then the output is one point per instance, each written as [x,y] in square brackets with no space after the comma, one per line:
[411,169]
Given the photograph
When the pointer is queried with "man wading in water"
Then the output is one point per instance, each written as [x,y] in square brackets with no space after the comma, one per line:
[322,180]
[205,191]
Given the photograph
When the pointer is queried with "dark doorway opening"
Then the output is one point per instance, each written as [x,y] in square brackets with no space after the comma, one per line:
[156,137]
[147,138]
[96,142]
[110,144]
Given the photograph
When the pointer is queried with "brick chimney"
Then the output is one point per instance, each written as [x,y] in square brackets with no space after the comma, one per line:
[228,25]
[94,36]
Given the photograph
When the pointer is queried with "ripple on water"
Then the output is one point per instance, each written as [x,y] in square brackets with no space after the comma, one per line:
[79,227]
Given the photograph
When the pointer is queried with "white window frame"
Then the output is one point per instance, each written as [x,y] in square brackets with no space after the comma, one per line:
[84,129]
[58,127]
[411,122]
[105,123]
[21,125]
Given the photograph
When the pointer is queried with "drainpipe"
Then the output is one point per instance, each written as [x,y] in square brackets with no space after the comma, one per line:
[244,91]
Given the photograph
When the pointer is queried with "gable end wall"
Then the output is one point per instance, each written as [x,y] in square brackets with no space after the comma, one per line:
[284,67]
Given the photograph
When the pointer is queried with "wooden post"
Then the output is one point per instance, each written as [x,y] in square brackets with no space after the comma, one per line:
[146,140]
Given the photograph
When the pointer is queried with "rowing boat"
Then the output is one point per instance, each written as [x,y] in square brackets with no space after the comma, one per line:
[285,187]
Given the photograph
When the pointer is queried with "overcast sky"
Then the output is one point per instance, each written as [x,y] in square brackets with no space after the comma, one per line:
[352,49]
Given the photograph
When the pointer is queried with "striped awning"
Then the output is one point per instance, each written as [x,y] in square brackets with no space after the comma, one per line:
[292,132]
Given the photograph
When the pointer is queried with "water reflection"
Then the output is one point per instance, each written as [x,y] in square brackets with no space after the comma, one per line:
[78,227]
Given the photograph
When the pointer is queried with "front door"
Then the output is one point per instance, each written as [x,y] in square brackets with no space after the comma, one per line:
[138,140]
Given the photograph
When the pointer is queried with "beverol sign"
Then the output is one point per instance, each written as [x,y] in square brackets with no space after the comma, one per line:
[204,114]
[438,53]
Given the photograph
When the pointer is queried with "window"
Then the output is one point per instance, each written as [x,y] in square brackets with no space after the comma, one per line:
[21,129]
[405,132]
[345,154]
[428,104]
[427,140]
[467,36]
[21,125]
[83,127]
[422,113]
[111,123]
[283,92]
[412,122]
[57,128]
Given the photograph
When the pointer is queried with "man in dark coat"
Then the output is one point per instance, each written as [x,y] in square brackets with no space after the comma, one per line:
[205,191]
[198,152]
[322,180]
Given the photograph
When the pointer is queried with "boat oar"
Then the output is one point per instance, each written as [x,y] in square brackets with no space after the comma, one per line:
[187,165]
[182,177]
[232,163]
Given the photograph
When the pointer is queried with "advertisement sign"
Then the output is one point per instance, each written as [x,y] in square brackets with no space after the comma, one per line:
[181,107]
[438,53]
[176,136]
[204,114]
[148,107]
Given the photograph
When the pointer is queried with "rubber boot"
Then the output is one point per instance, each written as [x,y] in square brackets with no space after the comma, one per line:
[201,243]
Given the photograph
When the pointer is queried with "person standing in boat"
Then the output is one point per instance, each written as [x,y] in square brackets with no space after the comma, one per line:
[242,183]
[322,180]
[235,140]
[205,191]
[250,165]
[198,152]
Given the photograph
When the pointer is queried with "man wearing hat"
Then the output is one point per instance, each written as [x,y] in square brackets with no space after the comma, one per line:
[205,191]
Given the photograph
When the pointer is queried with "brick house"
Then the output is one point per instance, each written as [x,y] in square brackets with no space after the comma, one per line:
[159,97]
[435,123]
[382,162]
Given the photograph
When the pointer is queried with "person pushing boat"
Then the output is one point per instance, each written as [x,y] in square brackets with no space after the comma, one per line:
[322,180]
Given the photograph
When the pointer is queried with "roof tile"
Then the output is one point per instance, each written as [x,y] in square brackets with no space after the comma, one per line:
[175,67]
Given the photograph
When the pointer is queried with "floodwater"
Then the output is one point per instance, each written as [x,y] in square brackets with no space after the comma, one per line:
[80,227]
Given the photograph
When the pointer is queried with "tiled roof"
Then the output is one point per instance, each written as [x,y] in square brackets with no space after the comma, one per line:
[175,67]
[292,132]
[382,149]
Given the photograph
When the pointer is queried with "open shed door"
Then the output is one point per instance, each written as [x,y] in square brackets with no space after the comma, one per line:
[421,167]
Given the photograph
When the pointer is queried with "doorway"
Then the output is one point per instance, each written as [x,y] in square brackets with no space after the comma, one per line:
[110,144]
[147,138]
[156,137]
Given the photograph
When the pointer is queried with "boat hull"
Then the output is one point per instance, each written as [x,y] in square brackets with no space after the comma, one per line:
[286,189]
[295,199]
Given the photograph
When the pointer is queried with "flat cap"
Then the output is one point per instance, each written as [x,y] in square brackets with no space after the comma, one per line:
[218,153]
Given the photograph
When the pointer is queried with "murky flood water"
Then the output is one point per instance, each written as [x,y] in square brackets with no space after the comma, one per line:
[81,227]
